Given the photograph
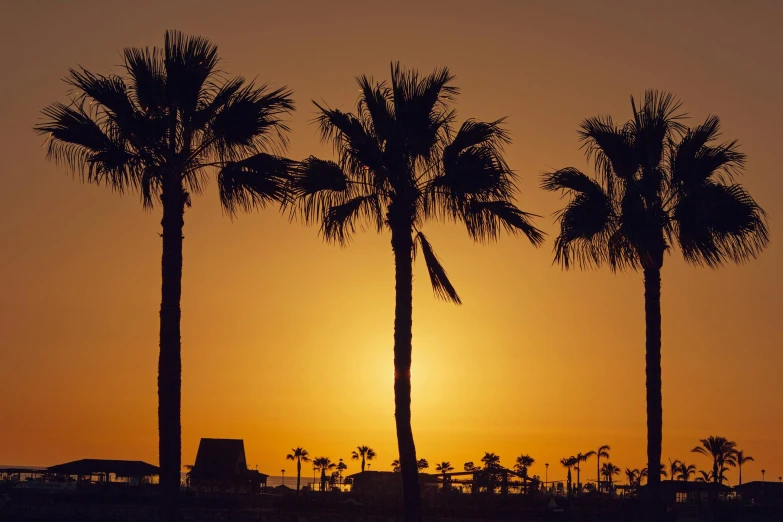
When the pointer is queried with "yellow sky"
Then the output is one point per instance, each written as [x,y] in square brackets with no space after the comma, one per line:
[288,341]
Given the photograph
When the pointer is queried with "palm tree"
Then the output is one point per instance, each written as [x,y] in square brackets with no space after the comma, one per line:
[741,459]
[363,452]
[470,467]
[401,161]
[172,118]
[341,466]
[608,471]
[523,462]
[444,467]
[603,451]
[490,460]
[674,467]
[422,464]
[645,473]
[722,451]
[396,465]
[298,455]
[323,464]
[658,183]
[634,477]
[685,471]
[568,463]
[579,459]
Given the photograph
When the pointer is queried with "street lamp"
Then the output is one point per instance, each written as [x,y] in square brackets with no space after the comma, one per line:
[283,472]
[546,476]
[762,475]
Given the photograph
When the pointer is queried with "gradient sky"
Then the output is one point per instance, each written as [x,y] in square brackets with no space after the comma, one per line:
[287,341]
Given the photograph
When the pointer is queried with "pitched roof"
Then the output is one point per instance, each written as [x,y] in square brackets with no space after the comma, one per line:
[121,468]
[219,459]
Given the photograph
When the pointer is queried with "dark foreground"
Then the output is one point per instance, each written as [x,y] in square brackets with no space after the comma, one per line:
[118,506]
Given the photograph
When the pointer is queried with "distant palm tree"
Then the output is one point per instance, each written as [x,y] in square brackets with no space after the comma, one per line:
[396,465]
[674,467]
[603,451]
[722,451]
[658,183]
[422,464]
[490,460]
[645,473]
[324,464]
[469,466]
[685,471]
[341,466]
[742,459]
[401,162]
[363,452]
[568,463]
[523,462]
[161,127]
[608,471]
[298,455]
[579,459]
[444,467]
[633,476]
[712,476]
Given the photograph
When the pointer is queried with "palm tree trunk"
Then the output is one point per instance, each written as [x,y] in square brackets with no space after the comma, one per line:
[598,472]
[170,361]
[362,463]
[402,245]
[739,464]
[298,472]
[652,310]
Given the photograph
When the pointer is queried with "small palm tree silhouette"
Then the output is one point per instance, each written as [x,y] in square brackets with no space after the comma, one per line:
[742,459]
[722,452]
[363,453]
[298,455]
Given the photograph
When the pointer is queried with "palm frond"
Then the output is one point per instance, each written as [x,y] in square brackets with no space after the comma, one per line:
[485,219]
[148,78]
[316,186]
[254,182]
[251,121]
[340,222]
[719,223]
[694,160]
[610,147]
[441,285]
[375,107]
[74,138]
[190,62]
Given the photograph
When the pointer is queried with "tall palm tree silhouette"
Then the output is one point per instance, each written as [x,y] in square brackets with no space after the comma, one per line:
[363,453]
[161,128]
[298,455]
[658,183]
[603,451]
[401,161]
[579,459]
[722,451]
[608,471]
[742,459]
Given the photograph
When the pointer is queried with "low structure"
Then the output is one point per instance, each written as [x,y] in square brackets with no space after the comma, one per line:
[221,466]
[761,492]
[103,469]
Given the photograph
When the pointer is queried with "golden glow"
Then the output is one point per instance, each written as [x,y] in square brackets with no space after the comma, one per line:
[288,342]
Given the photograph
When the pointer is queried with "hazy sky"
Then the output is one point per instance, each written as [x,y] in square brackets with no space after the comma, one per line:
[287,341]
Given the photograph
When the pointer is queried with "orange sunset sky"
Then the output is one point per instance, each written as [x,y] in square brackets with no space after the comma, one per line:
[287,341]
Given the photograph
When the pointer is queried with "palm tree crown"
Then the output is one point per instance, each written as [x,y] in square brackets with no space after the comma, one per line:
[395,465]
[401,161]
[160,128]
[685,471]
[722,452]
[363,453]
[523,462]
[490,460]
